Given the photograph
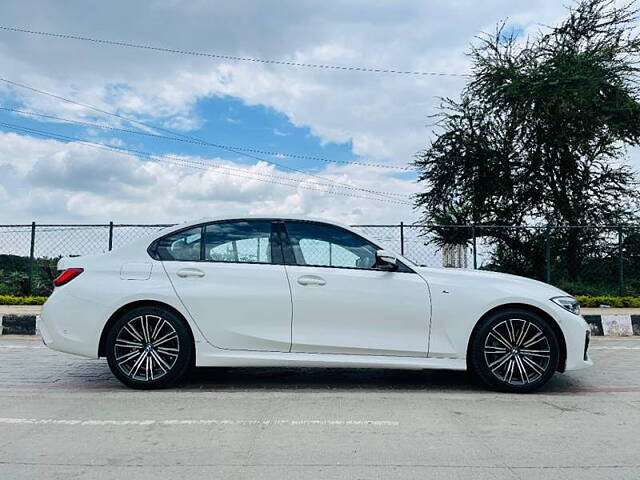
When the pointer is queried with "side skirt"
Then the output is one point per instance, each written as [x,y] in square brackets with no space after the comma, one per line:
[224,358]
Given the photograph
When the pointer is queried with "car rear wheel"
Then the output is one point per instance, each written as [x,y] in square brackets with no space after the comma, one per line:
[149,347]
[514,351]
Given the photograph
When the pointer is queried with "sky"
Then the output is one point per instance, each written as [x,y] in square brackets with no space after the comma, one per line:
[361,128]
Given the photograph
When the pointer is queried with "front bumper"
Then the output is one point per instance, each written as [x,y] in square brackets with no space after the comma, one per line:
[577,337]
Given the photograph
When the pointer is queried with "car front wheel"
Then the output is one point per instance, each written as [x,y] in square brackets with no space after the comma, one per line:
[149,347]
[514,351]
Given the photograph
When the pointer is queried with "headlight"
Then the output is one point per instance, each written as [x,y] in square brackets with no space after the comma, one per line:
[568,303]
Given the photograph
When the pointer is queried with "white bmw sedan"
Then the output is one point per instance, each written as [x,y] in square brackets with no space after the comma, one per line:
[296,292]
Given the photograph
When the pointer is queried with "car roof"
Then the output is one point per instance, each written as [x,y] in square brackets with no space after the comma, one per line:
[181,226]
[259,217]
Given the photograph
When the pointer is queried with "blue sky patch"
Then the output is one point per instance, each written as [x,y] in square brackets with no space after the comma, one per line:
[222,120]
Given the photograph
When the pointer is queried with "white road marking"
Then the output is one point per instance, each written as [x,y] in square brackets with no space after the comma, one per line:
[56,421]
[614,347]
[21,346]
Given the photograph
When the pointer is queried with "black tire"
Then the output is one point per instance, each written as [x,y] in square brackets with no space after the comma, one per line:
[504,361]
[140,361]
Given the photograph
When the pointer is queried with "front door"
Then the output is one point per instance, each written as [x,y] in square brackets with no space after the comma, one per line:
[229,276]
[342,303]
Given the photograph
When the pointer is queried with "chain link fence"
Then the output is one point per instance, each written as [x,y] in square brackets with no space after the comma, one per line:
[585,260]
[29,253]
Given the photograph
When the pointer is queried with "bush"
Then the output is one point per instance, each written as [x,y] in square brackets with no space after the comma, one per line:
[11,300]
[585,300]
[615,302]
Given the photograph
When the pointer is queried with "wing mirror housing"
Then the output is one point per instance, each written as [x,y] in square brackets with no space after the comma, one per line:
[385,260]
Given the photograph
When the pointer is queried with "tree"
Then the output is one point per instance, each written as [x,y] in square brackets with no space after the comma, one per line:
[539,136]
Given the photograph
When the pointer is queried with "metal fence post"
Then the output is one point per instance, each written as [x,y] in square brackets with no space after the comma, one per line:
[402,238]
[475,249]
[621,259]
[110,236]
[31,257]
[547,253]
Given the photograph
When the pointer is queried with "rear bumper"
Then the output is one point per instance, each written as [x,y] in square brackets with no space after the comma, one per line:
[66,325]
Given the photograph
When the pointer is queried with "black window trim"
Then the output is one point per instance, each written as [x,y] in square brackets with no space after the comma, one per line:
[290,259]
[275,242]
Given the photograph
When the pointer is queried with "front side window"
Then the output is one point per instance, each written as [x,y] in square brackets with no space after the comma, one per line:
[323,245]
[238,242]
[181,246]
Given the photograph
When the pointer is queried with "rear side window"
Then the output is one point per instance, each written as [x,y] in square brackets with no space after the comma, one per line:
[181,246]
[238,242]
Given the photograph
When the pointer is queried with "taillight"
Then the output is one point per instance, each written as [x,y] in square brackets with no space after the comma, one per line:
[67,275]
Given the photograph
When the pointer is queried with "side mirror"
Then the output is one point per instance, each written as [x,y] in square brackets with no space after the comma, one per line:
[386,260]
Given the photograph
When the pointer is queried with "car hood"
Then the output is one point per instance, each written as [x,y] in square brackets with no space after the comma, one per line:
[483,277]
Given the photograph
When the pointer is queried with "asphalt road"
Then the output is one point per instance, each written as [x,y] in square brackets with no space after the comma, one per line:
[65,417]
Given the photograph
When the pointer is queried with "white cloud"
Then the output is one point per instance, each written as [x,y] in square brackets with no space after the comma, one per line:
[71,182]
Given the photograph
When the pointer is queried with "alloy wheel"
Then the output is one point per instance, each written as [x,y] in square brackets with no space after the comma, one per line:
[146,348]
[517,351]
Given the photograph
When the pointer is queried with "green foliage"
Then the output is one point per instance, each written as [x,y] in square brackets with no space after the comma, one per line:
[611,301]
[14,275]
[585,301]
[539,137]
[11,300]
[448,230]
[589,289]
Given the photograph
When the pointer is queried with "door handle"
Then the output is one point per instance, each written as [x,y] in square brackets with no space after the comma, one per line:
[190,273]
[311,280]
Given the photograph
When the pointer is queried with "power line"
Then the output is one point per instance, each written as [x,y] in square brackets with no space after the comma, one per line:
[173,158]
[177,134]
[228,57]
[154,127]
[194,142]
[349,187]
[197,165]
[193,164]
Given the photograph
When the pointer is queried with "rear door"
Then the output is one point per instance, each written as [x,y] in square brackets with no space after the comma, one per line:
[229,276]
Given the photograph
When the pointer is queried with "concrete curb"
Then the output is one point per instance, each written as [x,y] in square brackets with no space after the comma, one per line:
[595,323]
[18,324]
[12,324]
